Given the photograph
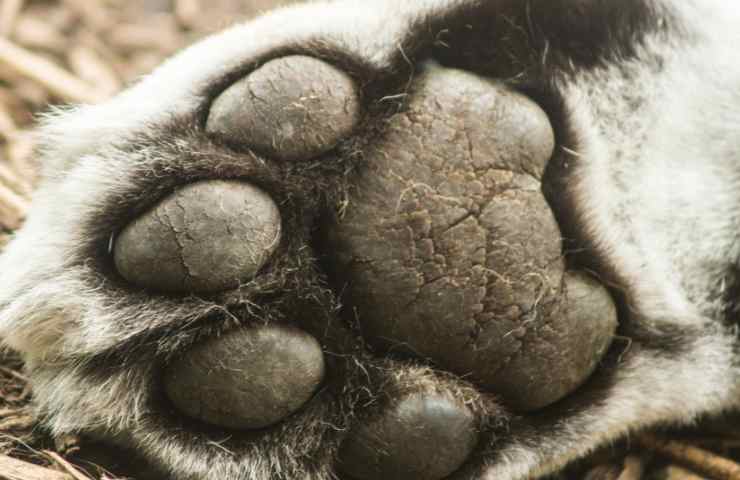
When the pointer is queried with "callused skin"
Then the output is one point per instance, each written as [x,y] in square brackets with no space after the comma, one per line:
[450,251]
[291,108]
[394,445]
[247,379]
[205,237]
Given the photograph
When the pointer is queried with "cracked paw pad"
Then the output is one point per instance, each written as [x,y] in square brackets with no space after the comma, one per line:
[205,237]
[292,108]
[452,253]
[420,436]
[446,250]
[246,379]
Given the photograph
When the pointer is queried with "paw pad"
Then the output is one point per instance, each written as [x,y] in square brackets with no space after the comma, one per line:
[207,236]
[248,378]
[452,253]
[292,108]
[421,436]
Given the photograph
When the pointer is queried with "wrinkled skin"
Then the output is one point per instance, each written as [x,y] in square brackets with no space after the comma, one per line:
[436,240]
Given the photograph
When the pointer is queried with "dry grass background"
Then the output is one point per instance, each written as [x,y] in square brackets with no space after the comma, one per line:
[62,51]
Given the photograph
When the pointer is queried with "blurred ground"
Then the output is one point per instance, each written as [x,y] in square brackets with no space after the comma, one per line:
[62,51]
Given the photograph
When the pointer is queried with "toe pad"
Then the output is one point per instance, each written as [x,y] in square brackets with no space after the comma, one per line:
[206,237]
[422,436]
[247,379]
[292,108]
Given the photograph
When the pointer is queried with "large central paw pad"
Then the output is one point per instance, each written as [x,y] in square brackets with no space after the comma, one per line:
[452,253]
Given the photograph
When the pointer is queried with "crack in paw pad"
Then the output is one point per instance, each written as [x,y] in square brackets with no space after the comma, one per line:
[292,108]
[451,252]
[247,379]
[205,237]
[425,436]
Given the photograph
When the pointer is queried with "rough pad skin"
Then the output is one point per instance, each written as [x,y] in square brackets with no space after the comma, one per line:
[205,237]
[393,241]
[395,445]
[246,379]
[450,251]
[293,108]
